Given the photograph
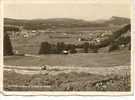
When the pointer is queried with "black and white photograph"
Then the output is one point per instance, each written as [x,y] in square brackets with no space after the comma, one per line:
[67,47]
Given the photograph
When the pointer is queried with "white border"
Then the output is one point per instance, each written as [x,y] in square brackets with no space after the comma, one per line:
[56,93]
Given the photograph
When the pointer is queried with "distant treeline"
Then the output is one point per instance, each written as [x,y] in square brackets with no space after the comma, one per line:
[11,28]
[47,48]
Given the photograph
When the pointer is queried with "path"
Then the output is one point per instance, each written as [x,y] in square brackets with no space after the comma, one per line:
[53,70]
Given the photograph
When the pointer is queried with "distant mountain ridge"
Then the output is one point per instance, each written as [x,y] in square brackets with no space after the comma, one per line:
[64,22]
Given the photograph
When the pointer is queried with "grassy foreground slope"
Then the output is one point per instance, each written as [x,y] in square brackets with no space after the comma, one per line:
[66,82]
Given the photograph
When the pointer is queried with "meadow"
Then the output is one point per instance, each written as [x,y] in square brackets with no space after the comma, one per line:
[80,59]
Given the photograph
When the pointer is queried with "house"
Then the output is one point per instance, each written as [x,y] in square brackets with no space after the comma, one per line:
[79,39]
[25,35]
[65,52]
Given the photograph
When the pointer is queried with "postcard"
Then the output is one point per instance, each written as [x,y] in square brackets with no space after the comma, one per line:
[73,47]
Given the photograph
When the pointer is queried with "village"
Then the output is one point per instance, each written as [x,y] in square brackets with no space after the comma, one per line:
[75,38]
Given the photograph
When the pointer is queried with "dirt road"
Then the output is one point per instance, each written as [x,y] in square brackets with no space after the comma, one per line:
[54,70]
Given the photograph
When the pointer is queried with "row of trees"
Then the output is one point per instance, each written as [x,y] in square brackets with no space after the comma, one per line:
[7,46]
[47,48]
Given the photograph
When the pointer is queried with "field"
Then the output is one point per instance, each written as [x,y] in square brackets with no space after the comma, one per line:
[80,59]
[73,72]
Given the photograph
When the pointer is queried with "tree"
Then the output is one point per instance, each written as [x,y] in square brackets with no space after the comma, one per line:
[86,47]
[129,46]
[60,47]
[45,48]
[7,45]
[72,48]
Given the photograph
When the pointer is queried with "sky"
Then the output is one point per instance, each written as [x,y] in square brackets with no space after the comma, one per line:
[86,11]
